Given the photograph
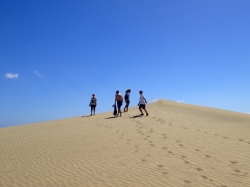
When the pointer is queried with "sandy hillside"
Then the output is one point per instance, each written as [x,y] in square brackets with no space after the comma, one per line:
[176,145]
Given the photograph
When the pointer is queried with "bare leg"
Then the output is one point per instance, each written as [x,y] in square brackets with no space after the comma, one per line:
[125,108]
[141,111]
[119,112]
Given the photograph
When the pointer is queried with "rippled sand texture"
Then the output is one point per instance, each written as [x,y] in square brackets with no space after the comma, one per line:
[176,145]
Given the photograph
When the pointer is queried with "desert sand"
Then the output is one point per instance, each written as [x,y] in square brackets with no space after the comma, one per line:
[176,145]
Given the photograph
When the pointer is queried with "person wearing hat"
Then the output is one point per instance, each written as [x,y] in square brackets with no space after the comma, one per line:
[142,103]
[92,104]
[127,99]
[118,101]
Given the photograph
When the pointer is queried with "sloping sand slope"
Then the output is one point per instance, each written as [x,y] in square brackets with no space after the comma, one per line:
[176,145]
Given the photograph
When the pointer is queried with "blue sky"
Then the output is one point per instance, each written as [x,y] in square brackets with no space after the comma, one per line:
[55,54]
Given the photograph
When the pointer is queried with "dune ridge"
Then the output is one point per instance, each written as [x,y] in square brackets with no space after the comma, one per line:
[176,145]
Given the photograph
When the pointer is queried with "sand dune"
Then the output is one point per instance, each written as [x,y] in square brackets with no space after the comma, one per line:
[176,145]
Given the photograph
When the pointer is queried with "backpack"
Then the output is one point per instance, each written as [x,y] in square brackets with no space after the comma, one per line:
[115,111]
[126,97]
[93,101]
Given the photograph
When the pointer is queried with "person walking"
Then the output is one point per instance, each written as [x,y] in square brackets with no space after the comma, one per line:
[142,103]
[92,104]
[118,101]
[127,99]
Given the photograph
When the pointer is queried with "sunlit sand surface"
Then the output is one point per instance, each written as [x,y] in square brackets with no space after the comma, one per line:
[176,145]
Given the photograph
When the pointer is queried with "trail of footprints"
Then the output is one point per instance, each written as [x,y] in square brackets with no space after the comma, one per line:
[146,136]
[164,135]
[234,171]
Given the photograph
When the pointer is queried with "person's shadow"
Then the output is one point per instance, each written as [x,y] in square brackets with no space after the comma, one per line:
[84,116]
[138,116]
[111,117]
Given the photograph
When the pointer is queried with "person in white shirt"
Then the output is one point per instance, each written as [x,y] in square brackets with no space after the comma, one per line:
[142,103]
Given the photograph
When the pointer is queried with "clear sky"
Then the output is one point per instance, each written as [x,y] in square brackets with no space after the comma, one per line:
[55,54]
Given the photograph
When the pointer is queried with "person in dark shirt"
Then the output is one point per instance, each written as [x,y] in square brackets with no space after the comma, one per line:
[127,99]
[92,104]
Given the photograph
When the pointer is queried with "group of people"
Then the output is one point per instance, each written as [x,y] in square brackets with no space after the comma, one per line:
[119,102]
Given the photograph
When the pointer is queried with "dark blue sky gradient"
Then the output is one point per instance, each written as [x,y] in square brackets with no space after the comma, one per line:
[192,51]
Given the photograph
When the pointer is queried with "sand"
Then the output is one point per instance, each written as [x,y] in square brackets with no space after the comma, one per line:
[176,145]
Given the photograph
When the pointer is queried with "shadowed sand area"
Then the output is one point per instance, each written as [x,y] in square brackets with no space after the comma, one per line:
[176,145]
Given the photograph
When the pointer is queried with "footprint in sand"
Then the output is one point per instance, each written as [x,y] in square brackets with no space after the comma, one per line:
[187,181]
[236,171]
[234,162]
[208,156]
[183,156]
[164,173]
[170,152]
[199,169]
[204,177]
[143,160]
[186,162]
[181,145]
[160,166]
[241,140]
[225,137]
[164,148]
[197,150]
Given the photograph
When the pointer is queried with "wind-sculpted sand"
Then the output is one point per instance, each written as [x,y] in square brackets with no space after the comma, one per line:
[176,145]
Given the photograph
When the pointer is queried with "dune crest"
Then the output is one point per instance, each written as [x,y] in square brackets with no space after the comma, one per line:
[176,145]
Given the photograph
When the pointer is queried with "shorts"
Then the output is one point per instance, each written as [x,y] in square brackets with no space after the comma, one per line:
[127,103]
[92,107]
[143,106]
[119,104]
